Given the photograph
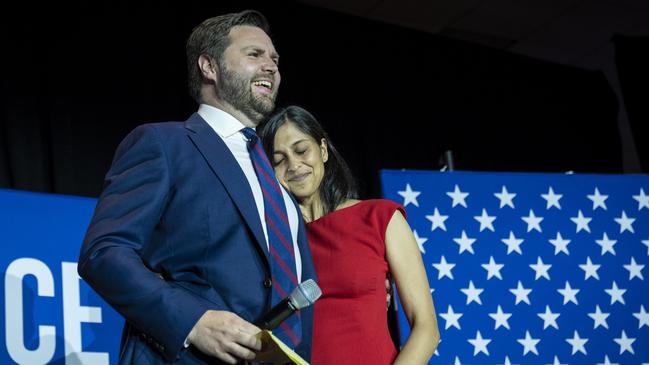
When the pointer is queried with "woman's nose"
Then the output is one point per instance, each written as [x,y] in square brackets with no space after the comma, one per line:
[293,165]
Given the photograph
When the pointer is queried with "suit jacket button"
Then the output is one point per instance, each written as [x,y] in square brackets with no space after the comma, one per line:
[268,283]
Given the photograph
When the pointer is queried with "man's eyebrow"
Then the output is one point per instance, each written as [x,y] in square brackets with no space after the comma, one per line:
[260,49]
[273,55]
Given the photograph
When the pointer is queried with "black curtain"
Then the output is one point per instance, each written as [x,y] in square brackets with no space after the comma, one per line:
[632,58]
[77,78]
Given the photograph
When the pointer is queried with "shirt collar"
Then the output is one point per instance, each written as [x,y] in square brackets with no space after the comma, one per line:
[224,124]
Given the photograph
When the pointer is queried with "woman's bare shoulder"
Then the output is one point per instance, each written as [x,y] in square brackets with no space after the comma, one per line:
[348,203]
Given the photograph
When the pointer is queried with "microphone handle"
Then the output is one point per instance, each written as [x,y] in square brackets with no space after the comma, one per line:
[276,315]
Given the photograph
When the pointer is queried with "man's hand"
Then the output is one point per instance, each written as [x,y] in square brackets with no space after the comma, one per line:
[388,290]
[270,352]
[225,336]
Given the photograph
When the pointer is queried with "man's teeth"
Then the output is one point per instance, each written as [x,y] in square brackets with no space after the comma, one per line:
[266,84]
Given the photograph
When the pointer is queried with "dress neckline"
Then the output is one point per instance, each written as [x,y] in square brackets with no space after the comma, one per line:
[337,210]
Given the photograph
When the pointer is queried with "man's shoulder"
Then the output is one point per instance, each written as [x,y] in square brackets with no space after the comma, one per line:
[162,127]
[158,130]
[154,133]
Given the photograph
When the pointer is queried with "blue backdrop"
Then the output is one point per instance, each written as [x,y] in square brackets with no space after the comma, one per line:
[532,268]
[50,315]
[523,269]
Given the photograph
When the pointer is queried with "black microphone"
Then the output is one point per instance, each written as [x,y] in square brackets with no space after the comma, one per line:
[302,296]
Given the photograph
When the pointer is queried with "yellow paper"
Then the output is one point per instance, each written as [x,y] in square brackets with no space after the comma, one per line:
[297,359]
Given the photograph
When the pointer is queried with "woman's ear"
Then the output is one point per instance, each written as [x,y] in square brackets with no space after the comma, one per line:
[323,150]
[209,68]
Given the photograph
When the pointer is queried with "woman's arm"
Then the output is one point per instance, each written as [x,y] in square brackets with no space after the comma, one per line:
[408,270]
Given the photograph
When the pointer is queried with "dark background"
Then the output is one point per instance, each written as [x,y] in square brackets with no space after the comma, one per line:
[77,77]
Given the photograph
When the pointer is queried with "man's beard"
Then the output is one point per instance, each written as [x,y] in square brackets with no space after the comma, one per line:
[236,91]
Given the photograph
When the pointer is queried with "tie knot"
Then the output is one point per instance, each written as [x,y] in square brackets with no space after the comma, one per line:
[249,133]
[251,136]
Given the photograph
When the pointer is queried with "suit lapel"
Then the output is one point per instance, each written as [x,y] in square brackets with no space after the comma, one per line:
[227,169]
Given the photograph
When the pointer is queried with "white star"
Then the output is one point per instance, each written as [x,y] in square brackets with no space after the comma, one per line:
[552,199]
[577,343]
[501,318]
[540,269]
[479,344]
[472,293]
[505,197]
[409,196]
[590,270]
[599,318]
[457,360]
[625,223]
[607,361]
[616,294]
[521,293]
[513,243]
[646,243]
[533,222]
[569,294]
[599,201]
[529,343]
[607,244]
[486,221]
[458,197]
[643,200]
[451,318]
[549,318]
[493,269]
[507,362]
[444,268]
[556,361]
[625,343]
[560,244]
[642,316]
[581,222]
[465,242]
[634,269]
[437,220]
[420,241]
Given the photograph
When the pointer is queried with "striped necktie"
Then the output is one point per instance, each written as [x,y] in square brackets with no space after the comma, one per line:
[280,244]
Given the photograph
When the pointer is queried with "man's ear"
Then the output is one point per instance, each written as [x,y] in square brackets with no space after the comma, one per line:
[209,68]
[323,150]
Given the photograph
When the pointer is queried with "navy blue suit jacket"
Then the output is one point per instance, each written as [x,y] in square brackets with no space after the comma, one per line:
[176,232]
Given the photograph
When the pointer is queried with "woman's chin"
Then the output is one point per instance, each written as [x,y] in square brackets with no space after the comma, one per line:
[301,193]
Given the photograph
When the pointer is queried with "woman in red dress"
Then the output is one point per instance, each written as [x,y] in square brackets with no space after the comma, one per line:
[355,244]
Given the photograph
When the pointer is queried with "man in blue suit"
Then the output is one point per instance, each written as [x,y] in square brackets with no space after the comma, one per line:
[177,243]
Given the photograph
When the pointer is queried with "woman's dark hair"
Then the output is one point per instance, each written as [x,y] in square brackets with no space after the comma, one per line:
[337,184]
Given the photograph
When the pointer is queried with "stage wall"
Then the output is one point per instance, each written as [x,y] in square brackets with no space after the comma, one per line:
[50,315]
[523,269]
[532,268]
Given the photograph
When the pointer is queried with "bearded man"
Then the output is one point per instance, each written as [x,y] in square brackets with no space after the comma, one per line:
[180,243]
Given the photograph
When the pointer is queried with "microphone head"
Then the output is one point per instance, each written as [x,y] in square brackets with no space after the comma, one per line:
[305,294]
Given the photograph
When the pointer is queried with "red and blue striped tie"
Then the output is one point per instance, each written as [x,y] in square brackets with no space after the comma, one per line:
[280,243]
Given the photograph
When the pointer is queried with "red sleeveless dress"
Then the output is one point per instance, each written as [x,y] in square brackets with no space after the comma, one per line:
[350,319]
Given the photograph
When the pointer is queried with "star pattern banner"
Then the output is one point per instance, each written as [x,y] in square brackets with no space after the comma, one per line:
[529,268]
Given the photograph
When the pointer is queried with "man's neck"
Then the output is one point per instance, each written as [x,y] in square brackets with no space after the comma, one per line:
[228,108]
